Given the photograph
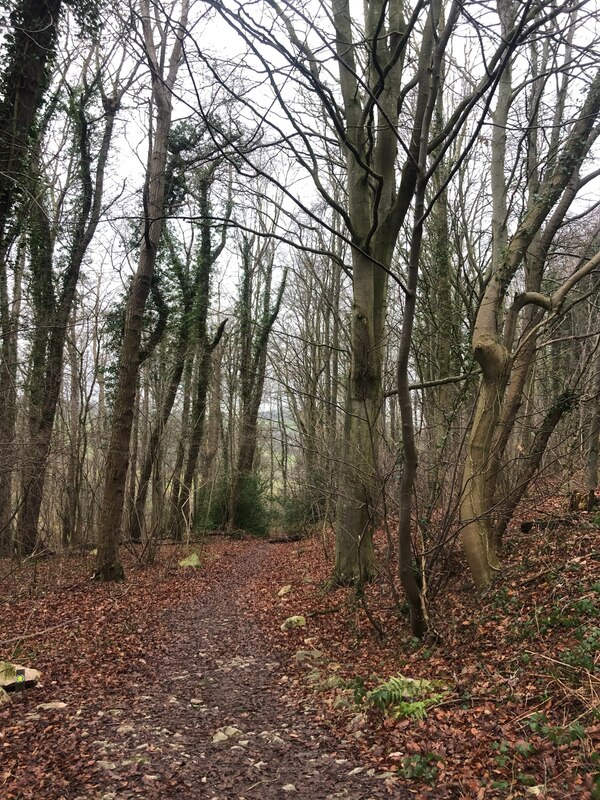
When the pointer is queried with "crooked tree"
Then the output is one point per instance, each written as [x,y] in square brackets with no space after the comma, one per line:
[505,332]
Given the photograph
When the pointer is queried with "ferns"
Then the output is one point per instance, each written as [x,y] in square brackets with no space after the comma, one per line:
[407,697]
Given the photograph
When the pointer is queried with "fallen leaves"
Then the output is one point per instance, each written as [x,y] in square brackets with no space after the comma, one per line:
[480,651]
[507,658]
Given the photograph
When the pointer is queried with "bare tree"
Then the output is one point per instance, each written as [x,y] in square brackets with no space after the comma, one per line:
[503,351]
[163,70]
[257,266]
[52,309]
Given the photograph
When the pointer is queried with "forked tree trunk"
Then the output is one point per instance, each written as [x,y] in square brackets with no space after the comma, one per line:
[477,488]
[491,352]
[109,567]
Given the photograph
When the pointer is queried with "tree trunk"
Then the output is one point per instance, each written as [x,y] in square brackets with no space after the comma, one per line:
[408,567]
[152,451]
[52,313]
[174,523]
[355,517]
[593,444]
[184,510]
[34,35]
[8,402]
[70,504]
[109,567]
[531,462]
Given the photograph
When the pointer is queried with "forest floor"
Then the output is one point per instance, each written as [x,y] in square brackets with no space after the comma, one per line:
[180,682]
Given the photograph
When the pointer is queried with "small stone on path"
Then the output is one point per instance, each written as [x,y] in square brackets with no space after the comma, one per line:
[297,621]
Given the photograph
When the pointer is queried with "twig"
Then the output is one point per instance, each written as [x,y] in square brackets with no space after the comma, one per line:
[37,633]
[374,622]
[320,611]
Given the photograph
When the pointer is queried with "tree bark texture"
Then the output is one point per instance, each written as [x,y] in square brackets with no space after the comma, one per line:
[52,312]
[490,347]
[109,567]
[34,34]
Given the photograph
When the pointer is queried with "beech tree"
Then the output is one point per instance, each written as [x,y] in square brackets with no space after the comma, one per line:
[158,38]
[523,238]
[375,77]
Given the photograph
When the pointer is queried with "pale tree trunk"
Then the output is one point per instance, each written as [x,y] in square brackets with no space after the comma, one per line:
[174,521]
[477,488]
[109,567]
[213,428]
[70,503]
[489,348]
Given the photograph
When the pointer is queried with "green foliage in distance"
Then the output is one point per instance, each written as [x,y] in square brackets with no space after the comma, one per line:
[251,513]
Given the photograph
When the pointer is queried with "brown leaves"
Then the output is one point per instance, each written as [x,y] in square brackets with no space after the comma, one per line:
[480,653]
[502,654]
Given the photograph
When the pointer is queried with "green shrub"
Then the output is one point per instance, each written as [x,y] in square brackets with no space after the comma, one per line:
[556,734]
[251,514]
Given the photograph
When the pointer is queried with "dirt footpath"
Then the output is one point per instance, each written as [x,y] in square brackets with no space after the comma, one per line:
[203,714]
